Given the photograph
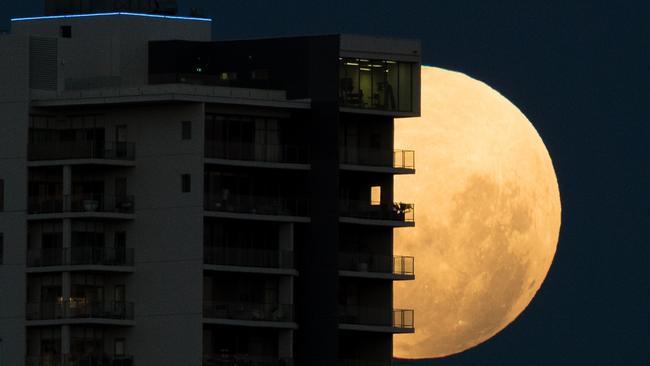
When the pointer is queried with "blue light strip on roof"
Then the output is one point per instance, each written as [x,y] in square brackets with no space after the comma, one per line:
[111,14]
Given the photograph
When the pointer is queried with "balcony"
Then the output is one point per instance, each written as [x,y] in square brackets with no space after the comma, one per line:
[44,360]
[376,266]
[97,360]
[85,256]
[247,360]
[82,150]
[365,212]
[288,156]
[376,319]
[219,257]
[354,362]
[248,312]
[82,205]
[79,360]
[263,207]
[377,160]
[80,311]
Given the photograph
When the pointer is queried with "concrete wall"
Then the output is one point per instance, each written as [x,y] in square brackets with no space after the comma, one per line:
[169,235]
[109,51]
[14,105]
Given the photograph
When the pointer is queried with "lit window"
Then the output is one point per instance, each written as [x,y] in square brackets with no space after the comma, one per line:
[375,195]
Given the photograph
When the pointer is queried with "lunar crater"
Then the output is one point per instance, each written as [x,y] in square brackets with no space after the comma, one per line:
[488,215]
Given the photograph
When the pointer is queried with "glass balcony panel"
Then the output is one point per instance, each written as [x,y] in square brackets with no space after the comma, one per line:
[77,308]
[263,205]
[219,255]
[353,362]
[248,311]
[87,202]
[271,153]
[100,359]
[361,315]
[218,359]
[365,262]
[404,212]
[82,255]
[80,149]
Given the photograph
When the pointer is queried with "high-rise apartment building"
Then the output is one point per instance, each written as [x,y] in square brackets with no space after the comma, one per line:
[166,199]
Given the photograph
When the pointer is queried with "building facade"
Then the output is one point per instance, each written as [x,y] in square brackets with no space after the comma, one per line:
[166,199]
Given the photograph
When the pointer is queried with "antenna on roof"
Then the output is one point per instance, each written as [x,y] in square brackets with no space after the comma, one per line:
[197,13]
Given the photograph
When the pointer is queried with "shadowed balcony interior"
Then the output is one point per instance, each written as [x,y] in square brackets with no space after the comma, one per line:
[277,139]
[231,346]
[244,297]
[89,346]
[91,296]
[93,189]
[370,196]
[82,137]
[371,350]
[245,243]
[92,243]
[255,192]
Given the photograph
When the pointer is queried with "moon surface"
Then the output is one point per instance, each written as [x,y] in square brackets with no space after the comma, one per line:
[488,215]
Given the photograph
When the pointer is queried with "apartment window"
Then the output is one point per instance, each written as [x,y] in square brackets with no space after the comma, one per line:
[66,31]
[187,130]
[376,84]
[375,195]
[186,183]
[2,195]
[119,347]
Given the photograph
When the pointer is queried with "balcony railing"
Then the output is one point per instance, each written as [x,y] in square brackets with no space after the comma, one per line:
[76,256]
[76,309]
[248,311]
[270,153]
[263,205]
[225,256]
[44,360]
[81,203]
[404,212]
[354,362]
[81,149]
[226,359]
[396,318]
[360,262]
[97,360]
[401,159]
[78,360]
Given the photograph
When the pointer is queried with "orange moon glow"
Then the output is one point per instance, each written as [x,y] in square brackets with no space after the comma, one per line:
[488,215]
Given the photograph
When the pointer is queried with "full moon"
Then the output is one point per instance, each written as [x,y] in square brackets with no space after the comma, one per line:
[488,215]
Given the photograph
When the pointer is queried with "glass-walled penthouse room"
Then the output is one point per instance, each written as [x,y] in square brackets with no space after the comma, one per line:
[376,84]
[288,65]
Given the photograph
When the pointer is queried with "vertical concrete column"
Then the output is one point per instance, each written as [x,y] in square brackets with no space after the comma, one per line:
[67,185]
[285,343]
[285,239]
[317,338]
[66,281]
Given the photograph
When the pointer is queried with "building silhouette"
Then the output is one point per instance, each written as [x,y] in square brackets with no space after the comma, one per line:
[166,199]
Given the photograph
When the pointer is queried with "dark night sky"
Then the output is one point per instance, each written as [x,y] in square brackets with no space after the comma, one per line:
[580,71]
